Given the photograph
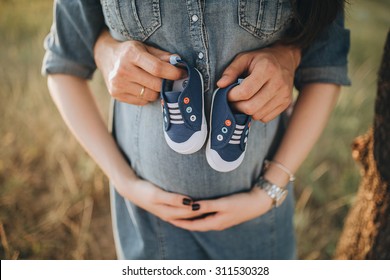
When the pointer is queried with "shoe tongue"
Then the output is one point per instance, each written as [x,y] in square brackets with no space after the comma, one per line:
[172,96]
[241,119]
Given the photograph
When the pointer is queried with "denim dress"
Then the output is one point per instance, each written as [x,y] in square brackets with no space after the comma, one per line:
[208,35]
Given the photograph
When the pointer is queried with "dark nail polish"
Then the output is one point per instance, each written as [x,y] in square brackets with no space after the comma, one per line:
[195,207]
[186,201]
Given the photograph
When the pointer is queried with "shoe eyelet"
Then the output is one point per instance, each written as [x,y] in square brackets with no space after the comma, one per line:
[193,118]
[224,130]
[219,137]
[186,100]
[189,110]
[228,122]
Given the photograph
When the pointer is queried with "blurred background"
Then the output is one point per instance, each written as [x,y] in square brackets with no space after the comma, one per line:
[54,200]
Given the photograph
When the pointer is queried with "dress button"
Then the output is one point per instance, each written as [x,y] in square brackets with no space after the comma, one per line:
[200,55]
[194,18]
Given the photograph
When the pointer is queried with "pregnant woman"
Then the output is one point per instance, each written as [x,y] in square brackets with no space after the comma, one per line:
[172,205]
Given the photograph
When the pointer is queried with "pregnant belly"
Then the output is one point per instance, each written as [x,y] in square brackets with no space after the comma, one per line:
[140,136]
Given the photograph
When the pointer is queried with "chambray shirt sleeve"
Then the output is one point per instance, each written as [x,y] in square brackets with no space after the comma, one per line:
[69,45]
[325,60]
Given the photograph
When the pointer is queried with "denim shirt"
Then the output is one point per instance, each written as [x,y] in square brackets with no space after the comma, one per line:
[208,35]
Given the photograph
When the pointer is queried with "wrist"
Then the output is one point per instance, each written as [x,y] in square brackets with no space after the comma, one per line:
[103,49]
[123,179]
[275,193]
[276,176]
[262,198]
[291,53]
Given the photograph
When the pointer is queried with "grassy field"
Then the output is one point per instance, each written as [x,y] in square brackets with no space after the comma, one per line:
[53,198]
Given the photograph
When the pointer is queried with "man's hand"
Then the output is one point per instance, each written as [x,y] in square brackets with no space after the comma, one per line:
[133,71]
[267,88]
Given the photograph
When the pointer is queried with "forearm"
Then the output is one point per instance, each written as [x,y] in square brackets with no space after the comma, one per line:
[77,106]
[310,115]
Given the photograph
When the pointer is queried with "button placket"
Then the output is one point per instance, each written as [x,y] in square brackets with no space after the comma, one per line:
[198,40]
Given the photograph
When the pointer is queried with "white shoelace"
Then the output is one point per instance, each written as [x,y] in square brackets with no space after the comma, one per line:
[238,130]
[174,113]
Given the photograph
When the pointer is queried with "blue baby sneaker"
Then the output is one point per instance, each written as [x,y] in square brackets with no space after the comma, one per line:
[182,102]
[229,132]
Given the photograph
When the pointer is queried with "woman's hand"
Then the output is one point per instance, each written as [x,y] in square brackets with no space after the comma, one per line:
[266,90]
[169,207]
[77,106]
[133,71]
[223,213]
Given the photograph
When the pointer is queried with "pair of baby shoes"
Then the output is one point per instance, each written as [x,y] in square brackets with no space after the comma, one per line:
[185,126]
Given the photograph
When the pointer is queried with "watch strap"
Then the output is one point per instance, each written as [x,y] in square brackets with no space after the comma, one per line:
[278,194]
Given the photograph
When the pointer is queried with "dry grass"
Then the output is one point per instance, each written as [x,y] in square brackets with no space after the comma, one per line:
[54,200]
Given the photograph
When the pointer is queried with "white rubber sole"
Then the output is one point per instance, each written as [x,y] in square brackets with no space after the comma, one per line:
[213,158]
[197,140]
[192,145]
[218,164]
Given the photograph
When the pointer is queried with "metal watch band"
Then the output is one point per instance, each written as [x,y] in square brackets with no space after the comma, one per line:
[277,193]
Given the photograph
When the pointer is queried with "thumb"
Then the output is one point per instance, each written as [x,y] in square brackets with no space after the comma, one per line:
[233,71]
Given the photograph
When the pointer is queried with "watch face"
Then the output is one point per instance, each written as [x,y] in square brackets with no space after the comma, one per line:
[282,196]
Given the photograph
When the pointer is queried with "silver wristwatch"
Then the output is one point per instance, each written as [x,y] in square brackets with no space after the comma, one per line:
[277,193]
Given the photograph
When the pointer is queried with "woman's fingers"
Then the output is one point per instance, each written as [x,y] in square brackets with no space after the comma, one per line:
[206,223]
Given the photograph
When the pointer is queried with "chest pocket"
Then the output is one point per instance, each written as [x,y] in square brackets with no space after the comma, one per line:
[263,18]
[132,19]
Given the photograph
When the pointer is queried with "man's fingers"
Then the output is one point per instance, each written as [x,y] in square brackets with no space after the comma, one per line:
[273,107]
[157,67]
[264,101]
[134,91]
[130,99]
[273,114]
[144,78]
[247,89]
[256,79]
[161,54]
[233,71]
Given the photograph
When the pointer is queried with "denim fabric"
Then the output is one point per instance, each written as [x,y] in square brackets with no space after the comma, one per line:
[73,34]
[208,35]
[270,236]
[330,66]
